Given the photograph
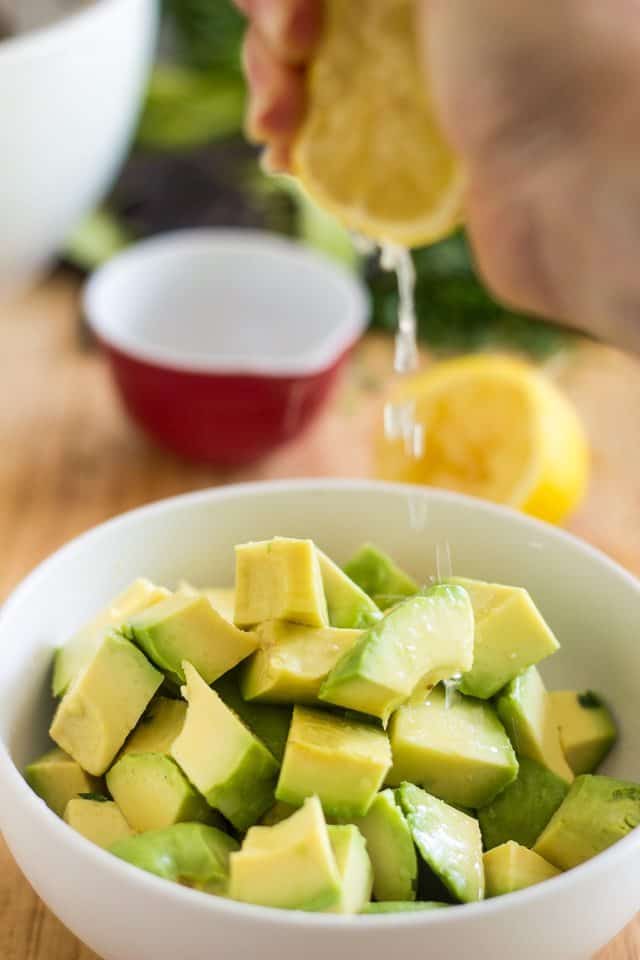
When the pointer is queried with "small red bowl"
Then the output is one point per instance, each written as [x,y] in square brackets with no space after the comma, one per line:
[224,343]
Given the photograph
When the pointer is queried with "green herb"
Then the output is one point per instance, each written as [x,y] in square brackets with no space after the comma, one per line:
[589,700]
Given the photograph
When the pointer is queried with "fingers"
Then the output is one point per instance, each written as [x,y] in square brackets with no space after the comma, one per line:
[290,27]
[277,96]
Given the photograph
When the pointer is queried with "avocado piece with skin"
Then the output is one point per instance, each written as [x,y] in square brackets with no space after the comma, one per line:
[279,579]
[188,628]
[391,849]
[269,722]
[74,656]
[596,813]
[448,841]
[526,711]
[153,793]
[100,821]
[298,852]
[511,635]
[524,808]
[293,661]
[57,778]
[354,867]
[587,728]
[192,854]
[401,906]
[457,751]
[104,703]
[376,573]
[510,867]
[229,766]
[348,606]
[341,761]
[421,641]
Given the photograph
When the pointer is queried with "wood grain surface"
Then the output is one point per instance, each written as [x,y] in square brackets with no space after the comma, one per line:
[71,459]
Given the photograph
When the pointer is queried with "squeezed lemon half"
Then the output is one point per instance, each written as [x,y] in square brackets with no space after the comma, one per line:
[496,428]
[370,150]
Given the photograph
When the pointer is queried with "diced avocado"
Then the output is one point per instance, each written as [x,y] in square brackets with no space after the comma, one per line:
[400,906]
[342,762]
[279,579]
[104,703]
[510,867]
[587,728]
[192,854]
[159,726]
[278,812]
[290,865]
[222,599]
[354,866]
[153,793]
[57,778]
[391,849]
[524,808]
[596,813]
[71,659]
[188,628]
[459,751]
[230,767]
[100,821]
[293,661]
[348,606]
[511,635]
[269,722]
[449,842]
[527,714]
[376,573]
[422,641]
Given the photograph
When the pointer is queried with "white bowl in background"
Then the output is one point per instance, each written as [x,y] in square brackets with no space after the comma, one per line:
[69,98]
[125,914]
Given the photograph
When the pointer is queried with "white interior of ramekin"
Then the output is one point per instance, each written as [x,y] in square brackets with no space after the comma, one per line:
[227,301]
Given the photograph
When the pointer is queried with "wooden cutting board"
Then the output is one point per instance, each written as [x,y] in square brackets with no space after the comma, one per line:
[70,459]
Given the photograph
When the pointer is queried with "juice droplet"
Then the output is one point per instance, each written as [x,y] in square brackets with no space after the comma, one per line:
[444,569]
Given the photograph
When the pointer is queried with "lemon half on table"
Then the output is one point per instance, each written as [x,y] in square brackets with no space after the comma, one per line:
[370,151]
[496,428]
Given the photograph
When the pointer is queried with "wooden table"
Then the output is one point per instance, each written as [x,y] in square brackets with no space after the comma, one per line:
[71,459]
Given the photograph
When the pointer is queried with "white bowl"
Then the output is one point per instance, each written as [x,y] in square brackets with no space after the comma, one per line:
[125,914]
[69,99]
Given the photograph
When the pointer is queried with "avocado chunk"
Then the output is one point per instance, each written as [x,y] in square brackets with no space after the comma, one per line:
[343,762]
[348,606]
[596,813]
[587,728]
[71,659]
[159,726]
[104,703]
[269,722]
[524,808]
[188,628]
[57,779]
[511,635]
[448,840]
[100,821]
[279,579]
[400,906]
[354,866]
[153,793]
[527,714]
[376,573]
[192,854]
[459,751]
[222,599]
[293,661]
[229,766]
[391,849]
[290,865]
[510,867]
[422,641]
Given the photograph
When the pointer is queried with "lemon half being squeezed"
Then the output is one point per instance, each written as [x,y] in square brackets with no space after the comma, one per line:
[370,150]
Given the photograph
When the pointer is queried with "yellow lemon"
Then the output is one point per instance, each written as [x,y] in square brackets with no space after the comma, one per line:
[370,150]
[496,428]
